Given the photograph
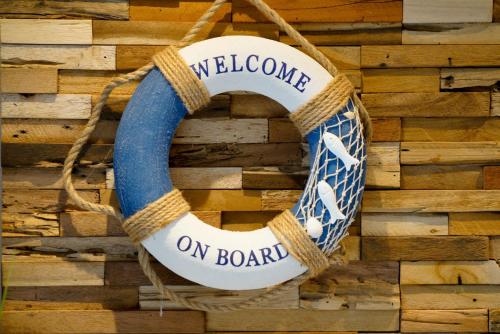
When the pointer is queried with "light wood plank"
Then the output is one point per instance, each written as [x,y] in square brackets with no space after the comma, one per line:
[130,273]
[494,315]
[496,11]
[65,106]
[30,224]
[453,78]
[443,153]
[33,31]
[150,298]
[430,56]
[444,104]
[110,10]
[495,248]
[343,57]
[424,80]
[444,297]
[177,11]
[455,33]
[51,178]
[323,11]
[394,224]
[475,223]
[446,11]
[102,321]
[430,321]
[91,82]
[492,177]
[347,33]
[424,248]
[27,80]
[422,201]
[304,320]
[495,104]
[450,272]
[79,57]
[434,177]
[169,33]
[459,129]
[52,273]
[198,178]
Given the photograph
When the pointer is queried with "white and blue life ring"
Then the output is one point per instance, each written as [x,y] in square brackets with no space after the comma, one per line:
[240,260]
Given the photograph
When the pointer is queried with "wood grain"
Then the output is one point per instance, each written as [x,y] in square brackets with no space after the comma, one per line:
[444,153]
[494,321]
[175,11]
[442,177]
[491,177]
[66,106]
[403,224]
[424,80]
[479,223]
[455,78]
[444,320]
[495,104]
[424,248]
[27,80]
[454,33]
[446,11]
[129,273]
[30,224]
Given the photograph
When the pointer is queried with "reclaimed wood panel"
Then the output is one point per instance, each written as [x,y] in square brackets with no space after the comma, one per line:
[421,201]
[51,178]
[103,321]
[430,55]
[442,177]
[495,248]
[130,273]
[169,33]
[428,321]
[496,11]
[176,11]
[444,297]
[439,104]
[450,272]
[66,106]
[304,320]
[28,81]
[479,223]
[455,78]
[424,80]
[454,33]
[494,318]
[49,31]
[495,104]
[61,57]
[91,82]
[491,177]
[403,224]
[456,129]
[446,11]
[109,10]
[445,153]
[30,224]
[323,11]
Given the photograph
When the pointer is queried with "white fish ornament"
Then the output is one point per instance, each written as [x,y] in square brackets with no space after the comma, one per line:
[334,145]
[314,227]
[327,196]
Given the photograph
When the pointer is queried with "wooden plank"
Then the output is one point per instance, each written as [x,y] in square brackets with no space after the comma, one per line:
[356,272]
[496,11]
[103,321]
[176,11]
[421,201]
[198,178]
[453,78]
[424,80]
[386,129]
[67,106]
[71,298]
[444,297]
[446,11]
[457,129]
[343,57]
[495,104]
[454,33]
[34,31]
[442,177]
[282,130]
[425,321]
[443,153]
[150,298]
[91,82]
[347,33]
[28,80]
[256,106]
[51,178]
[304,320]
[30,224]
[169,33]
[443,104]
[430,55]
[322,11]
[403,224]
[424,248]
[491,177]
[495,248]
[60,273]
[46,201]
[110,10]
[450,272]
[494,317]
[129,273]
[474,223]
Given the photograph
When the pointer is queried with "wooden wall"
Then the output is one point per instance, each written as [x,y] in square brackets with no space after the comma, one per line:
[424,251]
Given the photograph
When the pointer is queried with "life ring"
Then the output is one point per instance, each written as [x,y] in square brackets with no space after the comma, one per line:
[239,260]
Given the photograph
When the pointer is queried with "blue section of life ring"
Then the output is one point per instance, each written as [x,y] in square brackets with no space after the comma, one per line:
[145,135]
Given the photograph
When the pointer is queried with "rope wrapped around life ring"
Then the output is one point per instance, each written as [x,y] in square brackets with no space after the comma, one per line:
[195,96]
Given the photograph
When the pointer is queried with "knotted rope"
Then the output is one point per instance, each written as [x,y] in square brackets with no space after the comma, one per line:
[284,226]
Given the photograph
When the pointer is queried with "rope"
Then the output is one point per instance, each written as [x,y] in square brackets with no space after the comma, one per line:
[143,255]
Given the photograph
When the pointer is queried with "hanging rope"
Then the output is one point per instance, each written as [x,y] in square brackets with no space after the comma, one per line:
[143,255]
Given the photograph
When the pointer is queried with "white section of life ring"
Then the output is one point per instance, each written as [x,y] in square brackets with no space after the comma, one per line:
[202,262]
